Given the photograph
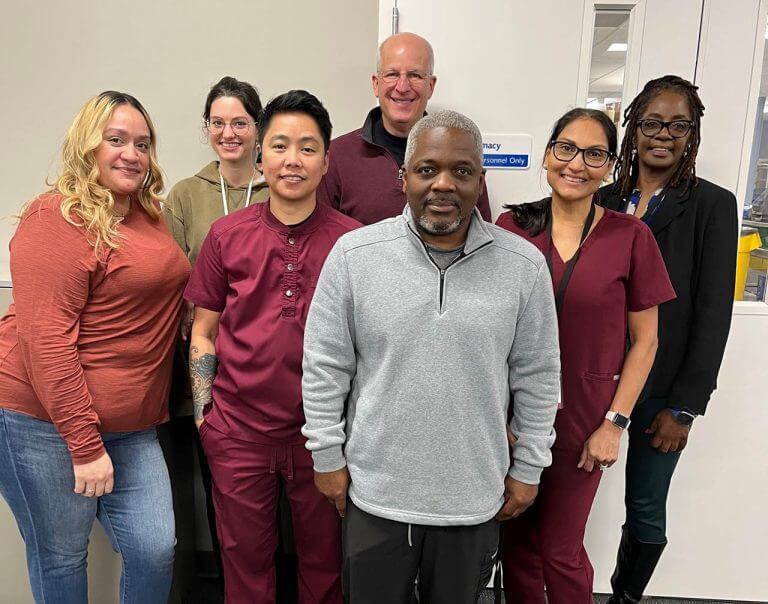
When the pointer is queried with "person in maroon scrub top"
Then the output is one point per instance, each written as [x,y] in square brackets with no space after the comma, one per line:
[251,287]
[609,278]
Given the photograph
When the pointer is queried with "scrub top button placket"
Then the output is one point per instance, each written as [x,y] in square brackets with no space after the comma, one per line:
[290,280]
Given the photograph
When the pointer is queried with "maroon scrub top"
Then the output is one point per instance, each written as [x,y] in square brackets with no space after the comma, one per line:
[620,270]
[260,275]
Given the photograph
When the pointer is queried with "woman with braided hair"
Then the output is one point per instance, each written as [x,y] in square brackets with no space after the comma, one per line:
[694,223]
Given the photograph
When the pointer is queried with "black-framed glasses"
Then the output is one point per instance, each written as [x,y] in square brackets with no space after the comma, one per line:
[415,78]
[594,157]
[676,128]
[239,125]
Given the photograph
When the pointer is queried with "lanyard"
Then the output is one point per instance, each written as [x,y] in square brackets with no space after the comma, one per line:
[569,266]
[224,192]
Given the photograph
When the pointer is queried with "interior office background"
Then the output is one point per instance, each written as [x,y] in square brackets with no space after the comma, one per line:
[513,66]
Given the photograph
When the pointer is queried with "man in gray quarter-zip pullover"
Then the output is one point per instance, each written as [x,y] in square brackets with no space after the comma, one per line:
[420,330]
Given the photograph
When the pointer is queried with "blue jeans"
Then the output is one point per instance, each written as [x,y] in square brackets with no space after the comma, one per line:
[37,481]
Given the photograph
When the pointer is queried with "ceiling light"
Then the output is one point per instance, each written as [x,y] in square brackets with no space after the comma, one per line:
[618,47]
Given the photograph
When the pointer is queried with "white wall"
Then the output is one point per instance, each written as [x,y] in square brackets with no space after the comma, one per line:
[716,524]
[510,66]
[55,55]
[514,67]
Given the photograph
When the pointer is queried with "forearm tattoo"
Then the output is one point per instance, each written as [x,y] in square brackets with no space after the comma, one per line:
[202,370]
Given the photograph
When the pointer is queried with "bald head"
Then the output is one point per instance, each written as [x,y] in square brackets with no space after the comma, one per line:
[406,41]
[403,81]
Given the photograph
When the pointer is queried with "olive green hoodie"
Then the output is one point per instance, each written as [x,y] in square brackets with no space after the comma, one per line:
[195,203]
[192,206]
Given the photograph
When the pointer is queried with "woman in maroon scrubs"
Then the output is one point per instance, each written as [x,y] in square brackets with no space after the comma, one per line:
[608,278]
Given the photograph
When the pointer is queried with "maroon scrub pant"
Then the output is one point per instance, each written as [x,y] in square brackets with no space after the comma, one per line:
[245,479]
[545,545]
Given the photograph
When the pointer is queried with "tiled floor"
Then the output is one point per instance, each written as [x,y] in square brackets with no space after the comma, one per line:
[487,598]
[206,594]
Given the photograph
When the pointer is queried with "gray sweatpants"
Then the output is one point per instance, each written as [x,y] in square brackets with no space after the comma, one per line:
[382,559]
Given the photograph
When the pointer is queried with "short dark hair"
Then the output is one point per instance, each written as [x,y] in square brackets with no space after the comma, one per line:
[242,91]
[533,216]
[298,101]
[628,165]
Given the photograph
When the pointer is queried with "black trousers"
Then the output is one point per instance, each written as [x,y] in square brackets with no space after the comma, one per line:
[383,558]
[181,444]
[649,474]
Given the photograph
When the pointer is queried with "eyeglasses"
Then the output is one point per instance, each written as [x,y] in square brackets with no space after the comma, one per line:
[594,157]
[676,128]
[414,78]
[239,126]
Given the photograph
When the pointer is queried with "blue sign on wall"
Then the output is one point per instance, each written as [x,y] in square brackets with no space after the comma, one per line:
[507,151]
[505,161]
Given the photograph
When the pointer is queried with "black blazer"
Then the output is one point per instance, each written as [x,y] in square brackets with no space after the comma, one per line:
[697,235]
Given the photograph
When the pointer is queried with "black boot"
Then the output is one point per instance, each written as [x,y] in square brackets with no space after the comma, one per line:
[635,563]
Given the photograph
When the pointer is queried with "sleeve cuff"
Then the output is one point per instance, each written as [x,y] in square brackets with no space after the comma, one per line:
[81,459]
[198,299]
[328,460]
[525,472]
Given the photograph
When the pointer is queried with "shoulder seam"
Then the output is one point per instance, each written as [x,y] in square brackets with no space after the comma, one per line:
[376,241]
[229,227]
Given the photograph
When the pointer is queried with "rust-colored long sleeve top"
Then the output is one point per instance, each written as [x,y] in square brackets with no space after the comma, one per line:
[88,343]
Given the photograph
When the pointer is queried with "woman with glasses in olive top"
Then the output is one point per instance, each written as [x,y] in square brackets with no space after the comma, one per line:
[608,278]
[694,223]
[229,183]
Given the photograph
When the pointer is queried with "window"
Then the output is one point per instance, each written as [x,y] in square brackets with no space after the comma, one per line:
[752,262]
[609,60]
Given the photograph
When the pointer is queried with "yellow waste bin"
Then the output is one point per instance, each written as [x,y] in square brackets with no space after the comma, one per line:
[747,243]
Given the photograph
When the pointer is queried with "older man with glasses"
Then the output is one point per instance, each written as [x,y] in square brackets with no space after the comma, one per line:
[365,176]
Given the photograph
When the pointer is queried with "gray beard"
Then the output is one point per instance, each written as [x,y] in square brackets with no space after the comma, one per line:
[440,229]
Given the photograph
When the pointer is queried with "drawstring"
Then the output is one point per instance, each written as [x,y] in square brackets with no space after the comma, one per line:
[273,461]
[290,462]
[410,540]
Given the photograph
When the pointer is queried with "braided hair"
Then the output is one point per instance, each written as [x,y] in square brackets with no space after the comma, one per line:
[627,165]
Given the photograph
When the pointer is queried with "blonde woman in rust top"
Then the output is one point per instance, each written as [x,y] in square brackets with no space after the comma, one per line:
[85,360]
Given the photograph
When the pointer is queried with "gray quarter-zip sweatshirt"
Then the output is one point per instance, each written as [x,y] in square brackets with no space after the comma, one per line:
[409,369]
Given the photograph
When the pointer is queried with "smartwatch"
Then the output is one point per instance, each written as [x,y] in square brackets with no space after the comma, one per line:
[683,417]
[617,419]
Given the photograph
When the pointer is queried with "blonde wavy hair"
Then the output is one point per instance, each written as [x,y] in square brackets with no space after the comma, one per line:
[87,203]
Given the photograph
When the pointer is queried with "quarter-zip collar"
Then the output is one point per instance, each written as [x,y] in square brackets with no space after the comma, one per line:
[478,234]
[367,132]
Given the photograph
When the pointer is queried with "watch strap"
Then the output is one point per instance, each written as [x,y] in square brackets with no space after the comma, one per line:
[617,419]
